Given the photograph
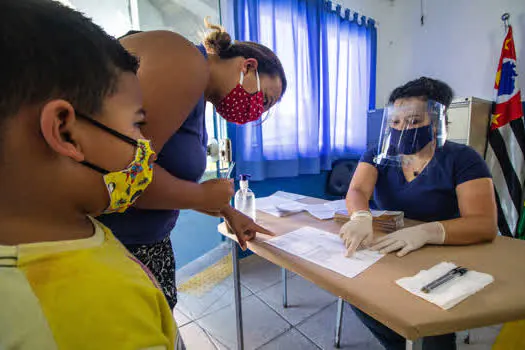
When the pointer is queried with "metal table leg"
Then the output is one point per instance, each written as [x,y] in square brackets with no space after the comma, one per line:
[237,292]
[339,322]
[467,338]
[415,344]
[285,287]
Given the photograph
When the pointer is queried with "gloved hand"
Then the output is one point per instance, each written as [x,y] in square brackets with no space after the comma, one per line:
[357,232]
[410,238]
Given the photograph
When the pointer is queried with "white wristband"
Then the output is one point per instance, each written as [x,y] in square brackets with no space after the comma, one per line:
[442,233]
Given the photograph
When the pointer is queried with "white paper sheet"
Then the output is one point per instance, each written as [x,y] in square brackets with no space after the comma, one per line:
[377,213]
[325,249]
[449,294]
[270,205]
[337,205]
[288,195]
[320,211]
[283,204]
[293,207]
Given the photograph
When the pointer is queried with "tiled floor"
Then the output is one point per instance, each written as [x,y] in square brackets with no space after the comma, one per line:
[208,321]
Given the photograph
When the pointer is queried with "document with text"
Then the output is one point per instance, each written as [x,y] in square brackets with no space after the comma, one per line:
[325,249]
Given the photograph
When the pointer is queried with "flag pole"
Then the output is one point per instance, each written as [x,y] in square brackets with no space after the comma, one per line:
[506,21]
[505,18]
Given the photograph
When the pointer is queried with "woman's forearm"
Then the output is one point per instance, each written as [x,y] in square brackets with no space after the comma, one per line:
[470,230]
[167,192]
[356,200]
[215,213]
[228,211]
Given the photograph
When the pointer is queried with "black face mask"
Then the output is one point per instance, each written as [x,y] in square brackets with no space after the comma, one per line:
[107,129]
[410,141]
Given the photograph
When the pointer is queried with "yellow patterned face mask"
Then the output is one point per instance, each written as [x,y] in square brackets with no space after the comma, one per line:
[125,186]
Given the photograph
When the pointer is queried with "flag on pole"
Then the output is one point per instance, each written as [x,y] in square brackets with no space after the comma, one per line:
[506,141]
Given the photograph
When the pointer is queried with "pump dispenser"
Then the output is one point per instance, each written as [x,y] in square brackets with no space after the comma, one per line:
[244,198]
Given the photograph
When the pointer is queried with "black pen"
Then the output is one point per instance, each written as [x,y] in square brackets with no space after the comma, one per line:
[458,271]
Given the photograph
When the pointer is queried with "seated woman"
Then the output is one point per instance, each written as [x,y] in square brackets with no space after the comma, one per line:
[443,184]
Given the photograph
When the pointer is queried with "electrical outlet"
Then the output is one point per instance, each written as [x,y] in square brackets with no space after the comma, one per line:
[225,150]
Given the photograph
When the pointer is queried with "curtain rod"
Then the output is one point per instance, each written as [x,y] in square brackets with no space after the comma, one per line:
[346,15]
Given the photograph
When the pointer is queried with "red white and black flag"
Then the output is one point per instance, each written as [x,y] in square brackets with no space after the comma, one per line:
[506,141]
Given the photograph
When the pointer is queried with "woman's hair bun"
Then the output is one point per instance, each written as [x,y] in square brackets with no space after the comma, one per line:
[217,40]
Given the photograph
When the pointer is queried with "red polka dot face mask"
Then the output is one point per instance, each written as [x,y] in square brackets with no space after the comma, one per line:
[241,107]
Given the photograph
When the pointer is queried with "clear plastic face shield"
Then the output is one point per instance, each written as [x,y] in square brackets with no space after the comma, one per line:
[410,127]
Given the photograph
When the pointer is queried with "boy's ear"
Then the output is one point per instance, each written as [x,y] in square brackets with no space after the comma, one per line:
[58,123]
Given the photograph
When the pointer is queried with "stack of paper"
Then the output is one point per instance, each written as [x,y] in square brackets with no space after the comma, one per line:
[384,220]
[337,205]
[283,204]
[270,205]
[325,249]
[325,211]
[288,195]
[320,211]
[389,221]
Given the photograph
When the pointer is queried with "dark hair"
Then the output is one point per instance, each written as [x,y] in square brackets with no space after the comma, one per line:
[219,42]
[51,51]
[427,88]
[130,32]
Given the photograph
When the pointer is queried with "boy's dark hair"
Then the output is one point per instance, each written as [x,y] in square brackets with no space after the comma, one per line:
[428,88]
[50,51]
[130,32]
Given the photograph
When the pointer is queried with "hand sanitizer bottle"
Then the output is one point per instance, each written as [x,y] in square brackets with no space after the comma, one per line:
[244,198]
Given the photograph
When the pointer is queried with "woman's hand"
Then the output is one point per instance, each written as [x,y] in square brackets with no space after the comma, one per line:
[243,226]
[410,239]
[217,193]
[357,232]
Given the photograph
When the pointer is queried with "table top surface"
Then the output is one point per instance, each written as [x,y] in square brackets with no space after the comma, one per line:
[375,292]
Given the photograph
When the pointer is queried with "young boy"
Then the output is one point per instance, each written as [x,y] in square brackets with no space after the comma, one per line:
[70,117]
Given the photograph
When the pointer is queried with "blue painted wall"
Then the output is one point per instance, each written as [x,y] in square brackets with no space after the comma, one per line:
[194,235]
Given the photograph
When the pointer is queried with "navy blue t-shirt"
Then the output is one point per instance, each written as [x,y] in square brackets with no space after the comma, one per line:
[183,156]
[431,196]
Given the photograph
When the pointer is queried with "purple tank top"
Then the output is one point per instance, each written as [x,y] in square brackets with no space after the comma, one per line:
[183,156]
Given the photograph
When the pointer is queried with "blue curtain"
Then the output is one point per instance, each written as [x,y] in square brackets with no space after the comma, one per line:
[329,60]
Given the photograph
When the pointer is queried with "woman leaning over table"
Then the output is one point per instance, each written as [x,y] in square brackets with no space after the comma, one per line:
[242,80]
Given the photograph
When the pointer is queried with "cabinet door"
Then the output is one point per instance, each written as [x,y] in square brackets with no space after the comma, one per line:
[479,126]
[458,129]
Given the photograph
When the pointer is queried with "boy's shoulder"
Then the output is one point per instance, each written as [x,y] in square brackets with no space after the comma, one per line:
[101,257]
[94,294]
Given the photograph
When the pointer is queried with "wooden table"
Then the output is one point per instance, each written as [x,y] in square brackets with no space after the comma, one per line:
[374,291]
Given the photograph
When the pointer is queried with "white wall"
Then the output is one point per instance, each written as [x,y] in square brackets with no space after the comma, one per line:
[111,15]
[150,17]
[185,17]
[182,16]
[462,42]
[459,43]
[392,41]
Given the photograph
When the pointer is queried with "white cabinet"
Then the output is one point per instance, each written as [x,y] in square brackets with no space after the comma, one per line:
[468,122]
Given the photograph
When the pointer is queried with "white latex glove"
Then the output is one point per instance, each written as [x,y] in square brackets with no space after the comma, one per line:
[357,232]
[411,238]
